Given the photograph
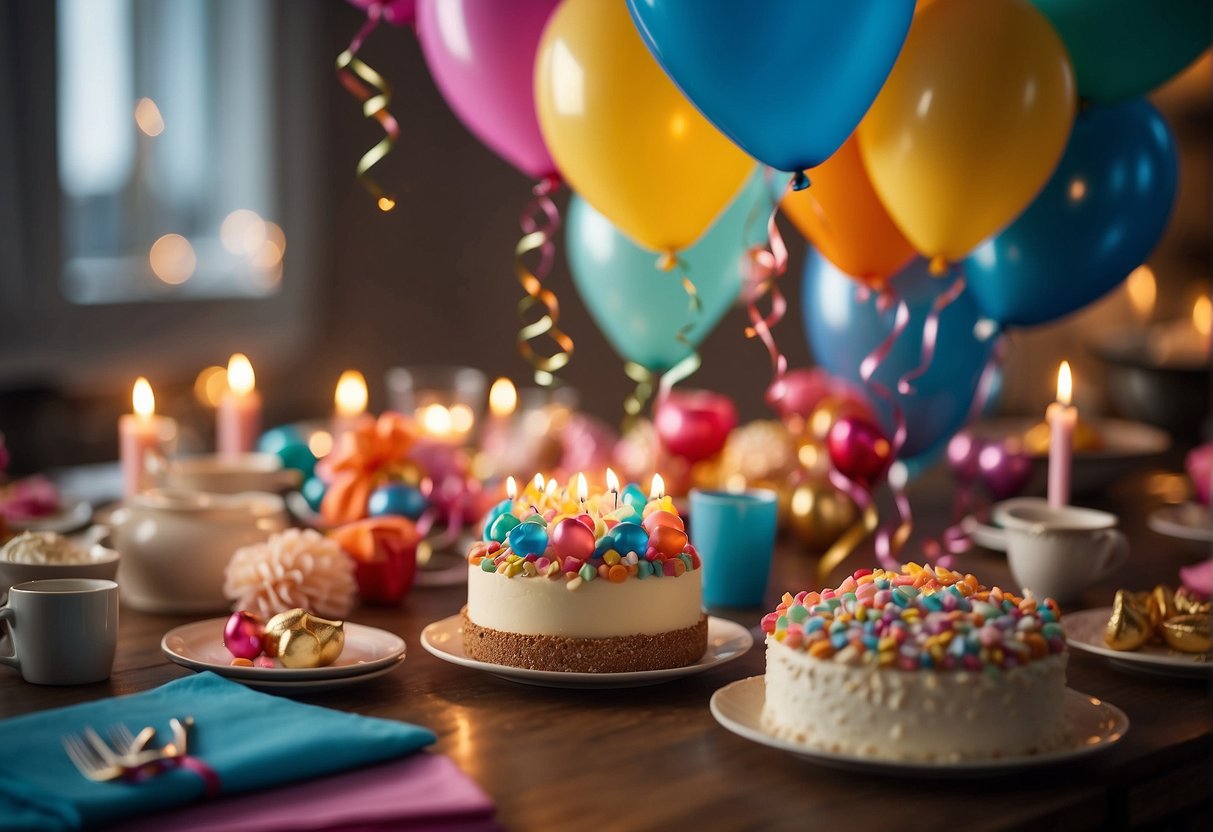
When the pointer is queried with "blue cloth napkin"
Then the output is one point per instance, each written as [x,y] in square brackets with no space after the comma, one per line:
[251,740]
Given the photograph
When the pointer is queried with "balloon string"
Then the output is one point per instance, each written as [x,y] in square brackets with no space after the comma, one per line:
[369,87]
[688,365]
[634,404]
[893,535]
[930,336]
[540,221]
[767,264]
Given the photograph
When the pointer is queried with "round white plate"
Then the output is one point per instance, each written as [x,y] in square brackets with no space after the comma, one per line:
[726,641]
[309,686]
[1188,521]
[199,646]
[1084,631]
[1094,726]
[73,514]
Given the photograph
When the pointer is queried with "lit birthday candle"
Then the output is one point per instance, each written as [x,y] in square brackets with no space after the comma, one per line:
[139,433]
[349,401]
[1062,418]
[238,418]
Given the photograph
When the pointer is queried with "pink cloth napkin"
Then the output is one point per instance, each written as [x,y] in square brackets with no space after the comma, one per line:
[420,792]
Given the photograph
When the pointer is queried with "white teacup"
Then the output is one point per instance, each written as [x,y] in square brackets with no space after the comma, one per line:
[1060,552]
[63,630]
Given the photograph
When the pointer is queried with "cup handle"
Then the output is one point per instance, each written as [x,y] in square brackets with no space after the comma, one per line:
[1116,552]
[7,617]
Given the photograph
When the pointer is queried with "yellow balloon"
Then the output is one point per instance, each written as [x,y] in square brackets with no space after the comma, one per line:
[971,122]
[622,134]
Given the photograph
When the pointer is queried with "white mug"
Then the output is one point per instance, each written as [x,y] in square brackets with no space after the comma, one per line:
[63,631]
[1060,552]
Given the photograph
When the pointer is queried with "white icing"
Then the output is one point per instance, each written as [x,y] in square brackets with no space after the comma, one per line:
[926,715]
[597,609]
[43,548]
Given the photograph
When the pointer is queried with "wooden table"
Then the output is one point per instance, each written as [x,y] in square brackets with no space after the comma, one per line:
[654,758]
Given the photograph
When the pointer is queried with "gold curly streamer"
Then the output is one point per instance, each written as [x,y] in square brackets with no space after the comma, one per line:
[687,366]
[539,236]
[369,87]
[847,543]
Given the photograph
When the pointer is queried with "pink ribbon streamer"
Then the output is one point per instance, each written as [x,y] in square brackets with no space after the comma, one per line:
[767,265]
[930,336]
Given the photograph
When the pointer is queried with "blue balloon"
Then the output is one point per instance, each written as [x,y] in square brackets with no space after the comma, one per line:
[1096,220]
[528,539]
[630,537]
[843,329]
[639,307]
[275,439]
[313,492]
[787,81]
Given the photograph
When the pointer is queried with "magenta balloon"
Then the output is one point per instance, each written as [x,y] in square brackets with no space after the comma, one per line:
[482,56]
[397,12]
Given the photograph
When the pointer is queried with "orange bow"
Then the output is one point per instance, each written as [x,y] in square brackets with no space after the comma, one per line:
[359,464]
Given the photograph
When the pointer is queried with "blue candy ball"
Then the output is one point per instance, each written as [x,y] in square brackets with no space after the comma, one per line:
[630,537]
[397,498]
[528,539]
[313,492]
[502,527]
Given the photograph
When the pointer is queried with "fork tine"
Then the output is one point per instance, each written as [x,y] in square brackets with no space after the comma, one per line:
[83,757]
[122,738]
[103,751]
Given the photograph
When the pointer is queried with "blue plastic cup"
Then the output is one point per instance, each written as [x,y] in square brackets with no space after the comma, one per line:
[735,535]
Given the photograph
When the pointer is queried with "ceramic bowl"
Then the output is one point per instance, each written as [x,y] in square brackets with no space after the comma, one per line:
[101,563]
[230,474]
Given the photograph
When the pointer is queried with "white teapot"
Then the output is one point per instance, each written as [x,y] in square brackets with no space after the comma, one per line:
[175,544]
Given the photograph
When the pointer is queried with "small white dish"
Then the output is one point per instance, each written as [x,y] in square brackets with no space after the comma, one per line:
[1094,726]
[1187,521]
[1084,631]
[727,640]
[306,687]
[220,474]
[73,514]
[199,646]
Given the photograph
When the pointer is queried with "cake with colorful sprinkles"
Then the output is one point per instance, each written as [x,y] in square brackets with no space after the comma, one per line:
[921,665]
[601,584]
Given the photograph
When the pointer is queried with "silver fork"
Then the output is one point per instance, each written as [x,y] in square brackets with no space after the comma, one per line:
[131,749]
[88,760]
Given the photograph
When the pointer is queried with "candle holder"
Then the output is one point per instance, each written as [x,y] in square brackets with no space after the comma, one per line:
[447,403]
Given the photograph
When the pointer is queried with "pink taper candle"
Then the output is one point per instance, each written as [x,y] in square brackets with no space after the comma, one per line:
[139,433]
[238,419]
[1062,418]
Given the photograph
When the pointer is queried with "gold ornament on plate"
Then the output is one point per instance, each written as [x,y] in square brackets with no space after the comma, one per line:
[1129,627]
[1161,606]
[299,639]
[1188,604]
[1189,633]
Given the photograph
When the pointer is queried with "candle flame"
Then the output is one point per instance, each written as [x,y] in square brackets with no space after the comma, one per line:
[1142,289]
[462,418]
[612,481]
[320,444]
[583,491]
[1065,383]
[503,397]
[657,491]
[1202,316]
[240,377]
[538,482]
[350,397]
[142,397]
[550,488]
[436,420]
[148,118]
[511,488]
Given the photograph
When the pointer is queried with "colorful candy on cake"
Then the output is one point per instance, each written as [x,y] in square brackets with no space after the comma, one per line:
[600,583]
[925,664]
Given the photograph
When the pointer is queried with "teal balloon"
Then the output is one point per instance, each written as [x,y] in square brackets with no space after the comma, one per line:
[1097,219]
[1125,48]
[528,539]
[313,492]
[275,439]
[502,526]
[640,308]
[397,498]
[630,537]
[786,80]
[299,457]
[845,325]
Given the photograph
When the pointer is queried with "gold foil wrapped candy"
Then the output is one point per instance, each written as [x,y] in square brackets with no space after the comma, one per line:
[1188,604]
[1129,627]
[1162,606]
[1189,633]
[300,639]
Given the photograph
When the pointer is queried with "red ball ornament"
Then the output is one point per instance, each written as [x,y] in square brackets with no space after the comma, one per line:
[571,539]
[663,518]
[859,450]
[242,634]
[694,424]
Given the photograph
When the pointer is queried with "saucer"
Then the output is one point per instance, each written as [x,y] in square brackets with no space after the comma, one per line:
[726,641]
[1187,521]
[1094,726]
[199,646]
[73,514]
[1084,631]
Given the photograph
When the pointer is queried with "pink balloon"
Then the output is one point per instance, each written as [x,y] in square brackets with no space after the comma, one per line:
[1199,465]
[859,450]
[1005,469]
[482,56]
[694,424]
[800,391]
[396,12]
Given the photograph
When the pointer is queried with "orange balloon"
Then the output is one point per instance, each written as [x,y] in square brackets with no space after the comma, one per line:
[842,216]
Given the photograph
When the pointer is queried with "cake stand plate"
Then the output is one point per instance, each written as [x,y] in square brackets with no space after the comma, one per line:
[1094,726]
[1187,521]
[727,640]
[1084,631]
